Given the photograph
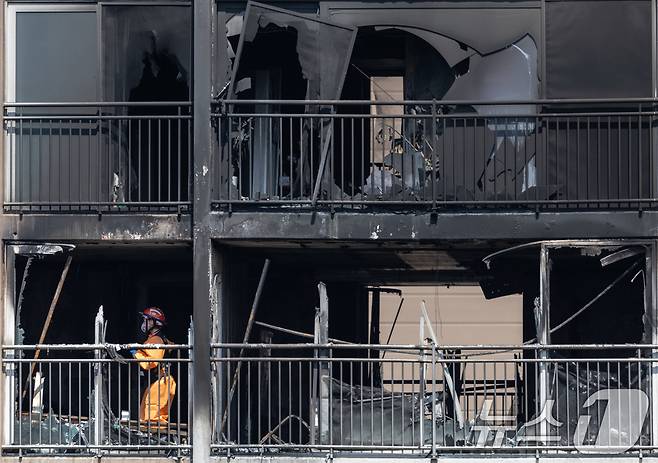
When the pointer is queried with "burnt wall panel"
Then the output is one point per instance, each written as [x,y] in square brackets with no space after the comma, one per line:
[598,49]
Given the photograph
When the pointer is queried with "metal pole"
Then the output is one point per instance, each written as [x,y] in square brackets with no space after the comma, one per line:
[322,338]
[374,335]
[190,381]
[543,334]
[49,317]
[99,323]
[421,372]
[459,415]
[323,163]
[245,339]
[653,134]
[299,333]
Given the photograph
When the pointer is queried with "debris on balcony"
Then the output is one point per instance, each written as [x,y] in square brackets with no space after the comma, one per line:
[573,386]
[406,418]
[49,431]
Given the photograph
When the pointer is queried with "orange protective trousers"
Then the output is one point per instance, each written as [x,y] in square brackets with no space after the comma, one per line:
[158,397]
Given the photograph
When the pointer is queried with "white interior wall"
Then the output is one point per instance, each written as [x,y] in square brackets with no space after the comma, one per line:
[460,315]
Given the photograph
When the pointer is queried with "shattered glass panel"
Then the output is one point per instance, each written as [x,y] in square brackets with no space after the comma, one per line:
[50,431]
[322,49]
[459,54]
[508,74]
[485,30]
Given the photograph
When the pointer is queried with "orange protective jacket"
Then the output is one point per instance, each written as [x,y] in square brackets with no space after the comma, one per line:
[158,397]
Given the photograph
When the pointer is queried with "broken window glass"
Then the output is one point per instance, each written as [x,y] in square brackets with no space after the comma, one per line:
[290,56]
[321,51]
[482,151]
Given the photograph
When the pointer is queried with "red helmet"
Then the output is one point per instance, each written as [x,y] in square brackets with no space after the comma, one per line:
[156,314]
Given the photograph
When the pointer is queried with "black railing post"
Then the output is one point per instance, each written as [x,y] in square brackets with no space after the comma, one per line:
[435,144]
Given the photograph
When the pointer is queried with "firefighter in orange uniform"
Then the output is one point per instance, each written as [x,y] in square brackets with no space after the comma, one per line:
[159,395]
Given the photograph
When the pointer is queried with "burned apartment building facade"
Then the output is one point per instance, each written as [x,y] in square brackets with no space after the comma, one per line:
[329,229]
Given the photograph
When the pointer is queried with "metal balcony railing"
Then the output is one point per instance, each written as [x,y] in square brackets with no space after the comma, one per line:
[559,155]
[424,400]
[75,399]
[97,157]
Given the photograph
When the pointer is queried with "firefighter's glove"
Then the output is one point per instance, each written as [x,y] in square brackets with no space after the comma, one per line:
[114,354]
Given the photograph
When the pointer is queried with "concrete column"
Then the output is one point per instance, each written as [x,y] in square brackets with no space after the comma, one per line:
[202,291]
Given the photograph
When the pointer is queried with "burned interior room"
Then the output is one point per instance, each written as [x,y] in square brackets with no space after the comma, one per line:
[81,298]
[440,146]
[485,298]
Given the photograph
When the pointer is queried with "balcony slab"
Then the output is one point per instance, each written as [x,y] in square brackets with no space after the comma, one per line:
[472,458]
[388,226]
[109,227]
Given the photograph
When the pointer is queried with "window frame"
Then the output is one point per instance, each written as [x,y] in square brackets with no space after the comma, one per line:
[11,42]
